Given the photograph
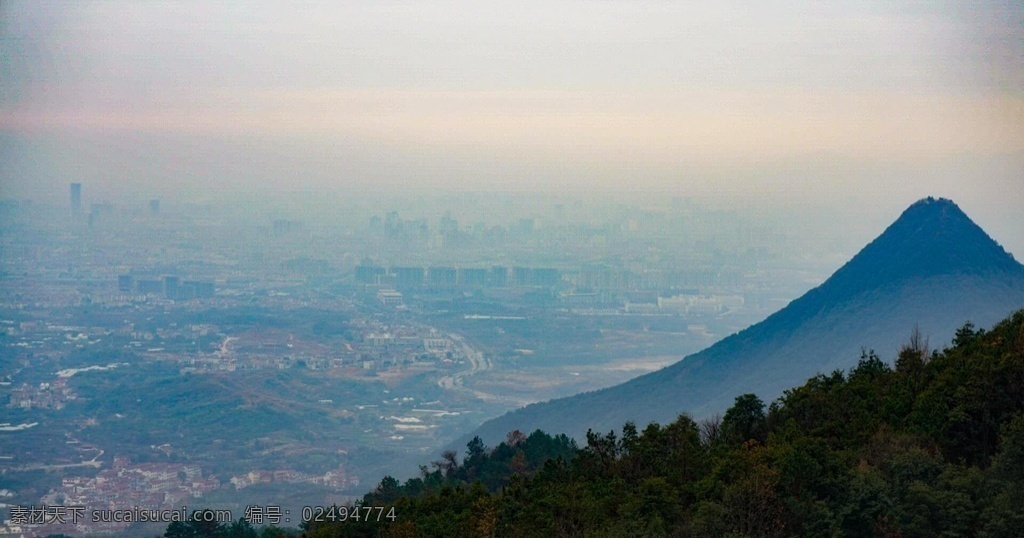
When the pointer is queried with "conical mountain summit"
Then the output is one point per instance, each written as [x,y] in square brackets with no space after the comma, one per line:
[932,237]
[933,268]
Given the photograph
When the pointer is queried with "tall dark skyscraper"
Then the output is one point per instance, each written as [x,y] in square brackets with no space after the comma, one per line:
[76,197]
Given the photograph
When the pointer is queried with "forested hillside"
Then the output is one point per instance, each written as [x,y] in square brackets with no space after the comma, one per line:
[932,446]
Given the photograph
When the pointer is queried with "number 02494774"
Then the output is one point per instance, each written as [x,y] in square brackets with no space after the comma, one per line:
[345,513]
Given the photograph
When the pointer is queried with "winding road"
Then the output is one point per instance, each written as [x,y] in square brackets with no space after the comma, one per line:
[477,363]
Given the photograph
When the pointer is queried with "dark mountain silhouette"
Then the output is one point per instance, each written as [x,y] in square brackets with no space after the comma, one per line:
[933,268]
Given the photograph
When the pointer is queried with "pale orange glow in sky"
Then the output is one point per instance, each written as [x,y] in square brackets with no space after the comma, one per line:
[694,127]
[822,100]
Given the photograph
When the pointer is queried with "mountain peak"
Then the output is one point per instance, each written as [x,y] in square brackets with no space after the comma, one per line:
[932,237]
[933,201]
[936,213]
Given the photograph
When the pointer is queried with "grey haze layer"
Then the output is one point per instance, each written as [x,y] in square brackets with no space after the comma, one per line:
[933,267]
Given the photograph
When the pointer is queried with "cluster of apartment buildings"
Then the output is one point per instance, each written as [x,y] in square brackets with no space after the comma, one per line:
[123,488]
[48,395]
[169,287]
[416,277]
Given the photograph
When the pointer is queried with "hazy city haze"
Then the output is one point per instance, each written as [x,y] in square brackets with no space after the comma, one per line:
[880,103]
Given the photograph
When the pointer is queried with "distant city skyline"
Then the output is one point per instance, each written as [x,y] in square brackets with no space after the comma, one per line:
[877,104]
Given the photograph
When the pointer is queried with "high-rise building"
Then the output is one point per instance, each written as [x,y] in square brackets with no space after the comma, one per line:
[191,289]
[368,274]
[100,213]
[472,277]
[149,286]
[498,276]
[393,225]
[449,226]
[76,197]
[521,276]
[441,276]
[172,287]
[408,277]
[543,276]
[284,226]
[154,206]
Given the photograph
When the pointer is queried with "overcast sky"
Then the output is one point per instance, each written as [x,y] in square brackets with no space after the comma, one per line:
[883,101]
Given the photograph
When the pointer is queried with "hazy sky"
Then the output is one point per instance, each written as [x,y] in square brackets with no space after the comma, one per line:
[878,101]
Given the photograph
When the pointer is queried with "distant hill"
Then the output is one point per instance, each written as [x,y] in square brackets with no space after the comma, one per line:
[932,268]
